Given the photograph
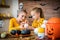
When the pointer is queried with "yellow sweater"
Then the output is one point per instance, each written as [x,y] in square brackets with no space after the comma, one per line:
[13,24]
[37,24]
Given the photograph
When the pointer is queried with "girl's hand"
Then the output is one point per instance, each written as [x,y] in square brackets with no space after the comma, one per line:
[31,28]
[22,26]
[26,25]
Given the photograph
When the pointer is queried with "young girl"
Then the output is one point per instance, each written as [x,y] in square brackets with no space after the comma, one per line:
[39,22]
[16,24]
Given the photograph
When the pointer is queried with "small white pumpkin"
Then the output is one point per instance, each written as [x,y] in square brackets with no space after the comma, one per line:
[3,35]
[36,31]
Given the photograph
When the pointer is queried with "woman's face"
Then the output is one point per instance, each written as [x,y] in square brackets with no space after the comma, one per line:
[35,15]
[22,16]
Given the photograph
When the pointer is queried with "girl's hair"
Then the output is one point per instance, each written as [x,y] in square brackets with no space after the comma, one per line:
[21,11]
[39,10]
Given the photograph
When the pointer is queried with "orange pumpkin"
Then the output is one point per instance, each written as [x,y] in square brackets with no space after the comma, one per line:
[53,28]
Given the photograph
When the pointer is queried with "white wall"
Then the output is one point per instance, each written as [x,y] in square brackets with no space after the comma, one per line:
[14,7]
[13,10]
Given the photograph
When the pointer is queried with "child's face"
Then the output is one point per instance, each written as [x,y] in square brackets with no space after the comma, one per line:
[22,16]
[35,15]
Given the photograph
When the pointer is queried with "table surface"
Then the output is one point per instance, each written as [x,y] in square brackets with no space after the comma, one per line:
[32,36]
[24,38]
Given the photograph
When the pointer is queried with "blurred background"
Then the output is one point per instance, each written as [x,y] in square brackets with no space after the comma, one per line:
[9,8]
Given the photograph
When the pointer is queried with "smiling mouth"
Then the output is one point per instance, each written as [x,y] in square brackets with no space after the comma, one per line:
[50,33]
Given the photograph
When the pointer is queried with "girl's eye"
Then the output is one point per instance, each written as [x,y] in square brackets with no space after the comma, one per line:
[22,15]
[25,16]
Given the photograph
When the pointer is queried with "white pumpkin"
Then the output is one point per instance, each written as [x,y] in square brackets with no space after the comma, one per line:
[36,31]
[3,35]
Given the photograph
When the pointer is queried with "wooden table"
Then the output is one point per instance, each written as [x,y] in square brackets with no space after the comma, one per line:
[32,36]
[24,38]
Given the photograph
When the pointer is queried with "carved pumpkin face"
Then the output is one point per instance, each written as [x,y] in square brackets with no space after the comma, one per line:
[53,27]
